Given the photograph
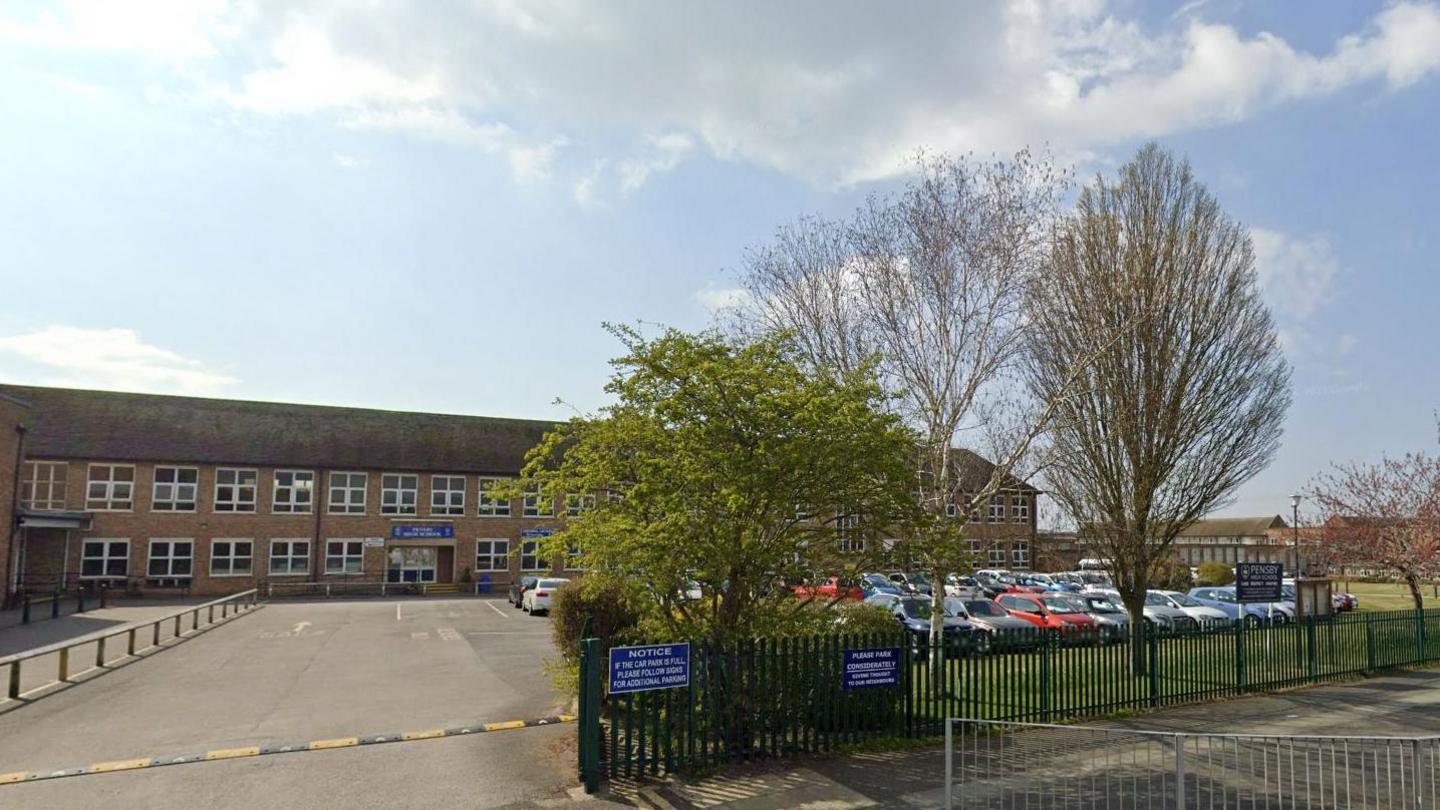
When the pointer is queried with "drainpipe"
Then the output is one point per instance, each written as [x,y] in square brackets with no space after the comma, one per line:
[13,578]
[317,546]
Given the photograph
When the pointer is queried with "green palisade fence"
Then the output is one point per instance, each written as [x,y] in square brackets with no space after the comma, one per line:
[774,697]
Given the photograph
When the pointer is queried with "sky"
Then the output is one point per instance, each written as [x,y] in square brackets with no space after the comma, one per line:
[436,205]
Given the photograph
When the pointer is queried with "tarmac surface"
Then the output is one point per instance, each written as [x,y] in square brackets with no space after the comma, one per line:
[311,671]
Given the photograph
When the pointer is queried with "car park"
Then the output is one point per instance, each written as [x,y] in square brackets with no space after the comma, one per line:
[885,600]
[910,583]
[537,600]
[1255,613]
[1053,611]
[1110,617]
[987,614]
[878,583]
[1200,613]
[829,588]
[518,587]
[913,613]
[959,587]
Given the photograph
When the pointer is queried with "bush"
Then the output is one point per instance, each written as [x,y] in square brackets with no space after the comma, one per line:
[858,617]
[602,604]
[1216,573]
[1173,576]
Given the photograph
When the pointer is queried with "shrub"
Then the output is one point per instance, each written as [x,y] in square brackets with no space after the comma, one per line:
[858,617]
[589,608]
[1174,576]
[1216,573]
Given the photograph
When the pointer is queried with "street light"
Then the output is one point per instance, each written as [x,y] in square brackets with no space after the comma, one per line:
[1295,527]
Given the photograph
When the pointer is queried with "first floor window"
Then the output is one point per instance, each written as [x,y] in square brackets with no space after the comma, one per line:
[110,488]
[492,555]
[294,492]
[347,493]
[399,494]
[575,505]
[289,557]
[997,509]
[231,557]
[847,531]
[175,489]
[344,556]
[1019,509]
[45,485]
[536,503]
[1020,553]
[105,558]
[491,507]
[170,562]
[447,494]
[235,489]
[530,556]
[997,554]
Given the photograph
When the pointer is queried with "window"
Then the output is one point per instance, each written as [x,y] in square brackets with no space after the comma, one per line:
[536,503]
[1020,554]
[175,489]
[952,507]
[997,554]
[169,563]
[802,514]
[235,490]
[530,556]
[110,488]
[105,558]
[975,547]
[576,505]
[492,555]
[1019,509]
[289,558]
[491,507]
[344,556]
[572,558]
[231,557]
[399,494]
[45,485]
[447,494]
[847,531]
[997,509]
[347,493]
[294,492]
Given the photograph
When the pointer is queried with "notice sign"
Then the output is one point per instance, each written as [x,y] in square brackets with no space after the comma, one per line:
[657,666]
[875,667]
[1258,582]
[421,531]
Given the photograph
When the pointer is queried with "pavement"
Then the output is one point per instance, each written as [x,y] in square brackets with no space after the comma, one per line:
[42,630]
[1401,705]
[312,671]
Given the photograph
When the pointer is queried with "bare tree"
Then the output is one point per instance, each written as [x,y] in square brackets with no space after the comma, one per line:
[1173,416]
[931,284]
[1384,515]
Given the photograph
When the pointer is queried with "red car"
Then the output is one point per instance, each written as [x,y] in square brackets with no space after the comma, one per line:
[829,588]
[1056,610]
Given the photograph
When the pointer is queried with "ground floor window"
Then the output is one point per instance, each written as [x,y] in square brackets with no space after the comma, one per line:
[289,557]
[170,563]
[344,556]
[492,555]
[997,555]
[405,564]
[231,557]
[1020,554]
[105,558]
[530,556]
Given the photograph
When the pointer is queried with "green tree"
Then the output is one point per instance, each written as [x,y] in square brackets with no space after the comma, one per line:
[702,471]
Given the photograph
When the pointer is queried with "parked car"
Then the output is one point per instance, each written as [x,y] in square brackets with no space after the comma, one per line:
[878,583]
[518,587]
[1111,618]
[537,599]
[1056,611]
[910,583]
[1200,613]
[829,588]
[987,614]
[1255,613]
[959,587]
[913,613]
[885,600]
[1157,611]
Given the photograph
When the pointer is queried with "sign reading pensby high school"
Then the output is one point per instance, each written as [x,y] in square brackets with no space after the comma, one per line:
[1258,582]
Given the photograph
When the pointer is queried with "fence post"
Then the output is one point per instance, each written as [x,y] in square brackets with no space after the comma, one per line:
[130,643]
[64,665]
[55,605]
[103,590]
[949,765]
[1046,641]
[1418,758]
[14,690]
[1419,635]
[1312,640]
[155,640]
[1152,635]
[590,673]
[80,600]
[1369,642]
[1240,652]
[25,610]
[907,682]
[1180,771]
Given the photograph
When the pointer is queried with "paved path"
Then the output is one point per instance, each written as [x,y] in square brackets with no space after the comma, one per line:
[308,671]
[1403,705]
[16,637]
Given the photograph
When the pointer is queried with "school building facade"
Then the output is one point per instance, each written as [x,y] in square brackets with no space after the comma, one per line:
[153,494]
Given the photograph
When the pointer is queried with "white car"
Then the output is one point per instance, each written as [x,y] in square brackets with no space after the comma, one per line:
[963,588]
[1193,609]
[537,599]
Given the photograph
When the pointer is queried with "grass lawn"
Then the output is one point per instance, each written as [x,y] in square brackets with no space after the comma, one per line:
[1387,596]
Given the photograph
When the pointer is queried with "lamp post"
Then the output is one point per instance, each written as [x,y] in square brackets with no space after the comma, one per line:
[1295,527]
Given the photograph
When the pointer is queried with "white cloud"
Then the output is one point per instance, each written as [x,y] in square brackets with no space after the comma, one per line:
[721,299]
[115,359]
[1297,274]
[839,103]
[345,161]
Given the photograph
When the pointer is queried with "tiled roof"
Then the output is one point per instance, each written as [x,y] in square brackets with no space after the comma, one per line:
[1234,527]
[103,425]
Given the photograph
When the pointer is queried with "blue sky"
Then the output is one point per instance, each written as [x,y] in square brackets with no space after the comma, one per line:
[434,205]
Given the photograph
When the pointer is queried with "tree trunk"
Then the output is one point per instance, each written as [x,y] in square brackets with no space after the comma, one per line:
[1413,581]
[937,630]
[1140,630]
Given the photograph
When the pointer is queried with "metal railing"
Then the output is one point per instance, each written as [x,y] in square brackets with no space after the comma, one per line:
[997,764]
[173,622]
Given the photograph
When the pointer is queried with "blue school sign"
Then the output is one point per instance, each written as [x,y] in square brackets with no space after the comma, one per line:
[656,666]
[420,531]
[865,669]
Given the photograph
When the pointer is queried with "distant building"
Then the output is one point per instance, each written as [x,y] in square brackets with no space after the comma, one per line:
[1239,539]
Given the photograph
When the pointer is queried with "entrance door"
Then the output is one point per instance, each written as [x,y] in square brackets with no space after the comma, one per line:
[411,564]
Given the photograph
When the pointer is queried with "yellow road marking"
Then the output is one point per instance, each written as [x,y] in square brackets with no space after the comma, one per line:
[566,718]
[506,725]
[423,735]
[232,753]
[339,742]
[119,765]
[12,778]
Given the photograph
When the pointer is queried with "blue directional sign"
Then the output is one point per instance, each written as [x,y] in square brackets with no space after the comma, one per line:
[656,666]
[536,532]
[865,669]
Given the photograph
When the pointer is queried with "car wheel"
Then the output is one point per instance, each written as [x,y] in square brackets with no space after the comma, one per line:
[982,643]
[1251,620]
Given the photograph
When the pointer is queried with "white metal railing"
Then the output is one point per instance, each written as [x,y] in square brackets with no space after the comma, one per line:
[995,764]
[228,606]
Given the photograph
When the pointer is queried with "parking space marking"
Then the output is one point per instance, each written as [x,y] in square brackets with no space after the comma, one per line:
[141,763]
[502,613]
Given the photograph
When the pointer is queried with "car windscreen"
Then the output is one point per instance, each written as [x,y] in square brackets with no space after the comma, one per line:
[1157,600]
[915,608]
[1063,604]
[1185,600]
[1100,604]
[551,583]
[979,607]
[1223,596]
[954,607]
